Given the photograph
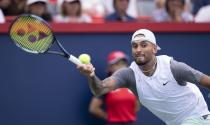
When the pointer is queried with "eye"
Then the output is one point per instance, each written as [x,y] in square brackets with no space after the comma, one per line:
[143,44]
[134,45]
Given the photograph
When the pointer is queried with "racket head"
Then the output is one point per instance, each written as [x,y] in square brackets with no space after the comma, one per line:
[31,33]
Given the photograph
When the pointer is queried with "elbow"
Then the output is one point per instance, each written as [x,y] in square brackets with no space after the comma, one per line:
[92,109]
[96,92]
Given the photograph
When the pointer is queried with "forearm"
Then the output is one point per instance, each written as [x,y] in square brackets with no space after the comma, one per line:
[99,87]
[94,82]
[99,113]
[95,85]
[137,108]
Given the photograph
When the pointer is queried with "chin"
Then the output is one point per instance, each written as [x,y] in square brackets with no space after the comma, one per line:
[140,63]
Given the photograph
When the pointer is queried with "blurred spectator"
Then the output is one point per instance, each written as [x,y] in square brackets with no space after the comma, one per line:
[188,6]
[159,11]
[132,10]
[52,7]
[174,12]
[2,19]
[203,14]
[160,4]
[71,12]
[197,4]
[120,13]
[12,7]
[5,5]
[146,7]
[94,8]
[39,8]
[121,104]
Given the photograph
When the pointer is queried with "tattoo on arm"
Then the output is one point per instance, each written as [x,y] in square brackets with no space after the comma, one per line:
[99,87]
[94,84]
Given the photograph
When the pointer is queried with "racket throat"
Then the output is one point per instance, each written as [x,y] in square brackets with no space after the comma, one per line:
[65,53]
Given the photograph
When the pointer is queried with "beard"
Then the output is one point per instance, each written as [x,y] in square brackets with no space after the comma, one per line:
[141,62]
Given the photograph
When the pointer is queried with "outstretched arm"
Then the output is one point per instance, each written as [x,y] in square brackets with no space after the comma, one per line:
[97,86]
[184,73]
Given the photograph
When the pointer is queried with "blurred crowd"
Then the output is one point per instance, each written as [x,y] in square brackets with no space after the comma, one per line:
[98,11]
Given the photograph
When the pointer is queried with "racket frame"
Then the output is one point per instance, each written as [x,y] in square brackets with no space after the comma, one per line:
[63,52]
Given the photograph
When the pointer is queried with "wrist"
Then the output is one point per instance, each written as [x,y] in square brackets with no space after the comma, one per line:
[91,75]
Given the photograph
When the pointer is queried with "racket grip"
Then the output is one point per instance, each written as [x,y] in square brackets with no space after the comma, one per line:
[75,60]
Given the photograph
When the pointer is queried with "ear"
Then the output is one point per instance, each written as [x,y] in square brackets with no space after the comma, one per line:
[154,50]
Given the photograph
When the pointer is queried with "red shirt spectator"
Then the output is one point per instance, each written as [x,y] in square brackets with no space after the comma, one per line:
[121,104]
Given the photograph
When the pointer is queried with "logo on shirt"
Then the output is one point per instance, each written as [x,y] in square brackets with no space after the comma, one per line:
[165,83]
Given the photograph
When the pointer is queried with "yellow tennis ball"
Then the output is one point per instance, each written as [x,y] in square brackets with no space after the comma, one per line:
[84,58]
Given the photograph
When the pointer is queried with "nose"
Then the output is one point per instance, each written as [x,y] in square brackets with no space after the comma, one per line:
[139,48]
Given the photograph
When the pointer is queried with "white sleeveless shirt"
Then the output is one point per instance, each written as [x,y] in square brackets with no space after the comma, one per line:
[165,98]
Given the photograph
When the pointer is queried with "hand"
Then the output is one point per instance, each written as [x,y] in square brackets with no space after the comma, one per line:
[87,69]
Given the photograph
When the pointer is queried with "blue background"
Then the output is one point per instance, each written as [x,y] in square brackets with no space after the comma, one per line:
[49,90]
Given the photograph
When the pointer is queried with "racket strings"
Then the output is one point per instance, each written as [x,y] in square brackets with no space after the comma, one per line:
[31,34]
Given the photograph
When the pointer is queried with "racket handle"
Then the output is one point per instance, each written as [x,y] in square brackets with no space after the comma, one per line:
[75,60]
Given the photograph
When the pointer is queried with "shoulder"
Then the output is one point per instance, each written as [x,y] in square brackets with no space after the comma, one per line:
[86,18]
[159,15]
[187,16]
[124,75]
[176,65]
[112,16]
[130,18]
[124,71]
[60,19]
[203,14]
[164,58]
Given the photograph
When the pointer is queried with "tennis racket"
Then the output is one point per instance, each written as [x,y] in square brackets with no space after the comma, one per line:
[34,35]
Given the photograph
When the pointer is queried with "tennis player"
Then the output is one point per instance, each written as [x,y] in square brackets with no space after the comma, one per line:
[163,85]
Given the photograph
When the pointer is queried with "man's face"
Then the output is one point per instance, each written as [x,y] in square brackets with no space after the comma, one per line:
[143,51]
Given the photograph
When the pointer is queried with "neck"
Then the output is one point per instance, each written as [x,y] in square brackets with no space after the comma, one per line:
[149,68]
[121,13]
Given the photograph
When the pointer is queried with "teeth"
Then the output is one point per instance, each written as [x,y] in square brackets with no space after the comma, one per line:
[140,57]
